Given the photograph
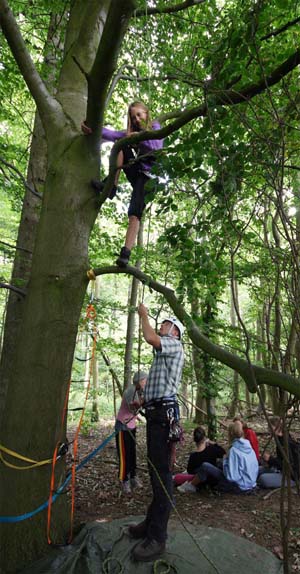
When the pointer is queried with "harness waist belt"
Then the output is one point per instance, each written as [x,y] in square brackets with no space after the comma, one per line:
[164,402]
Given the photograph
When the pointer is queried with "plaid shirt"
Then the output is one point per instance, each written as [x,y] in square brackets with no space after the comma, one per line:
[165,373]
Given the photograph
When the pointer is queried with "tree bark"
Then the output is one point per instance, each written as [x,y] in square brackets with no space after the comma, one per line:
[236,387]
[131,318]
[36,175]
[38,376]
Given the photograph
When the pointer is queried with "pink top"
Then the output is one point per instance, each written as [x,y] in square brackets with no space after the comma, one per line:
[126,413]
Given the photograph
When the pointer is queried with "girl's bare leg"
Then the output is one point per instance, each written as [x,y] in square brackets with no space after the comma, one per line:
[132,231]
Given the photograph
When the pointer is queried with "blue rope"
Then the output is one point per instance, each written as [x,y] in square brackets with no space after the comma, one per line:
[19,518]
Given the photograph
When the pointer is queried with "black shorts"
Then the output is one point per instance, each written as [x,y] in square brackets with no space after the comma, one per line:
[138,180]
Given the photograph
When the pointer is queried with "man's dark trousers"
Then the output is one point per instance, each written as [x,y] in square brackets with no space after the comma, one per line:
[159,451]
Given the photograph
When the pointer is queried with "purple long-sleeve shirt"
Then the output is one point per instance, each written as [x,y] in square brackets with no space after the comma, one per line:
[144,148]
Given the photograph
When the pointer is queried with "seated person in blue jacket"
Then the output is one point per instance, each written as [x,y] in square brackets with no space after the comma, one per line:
[240,466]
[206,451]
[270,476]
[136,162]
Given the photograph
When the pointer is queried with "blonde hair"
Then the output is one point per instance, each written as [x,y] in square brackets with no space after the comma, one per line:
[239,418]
[235,430]
[141,105]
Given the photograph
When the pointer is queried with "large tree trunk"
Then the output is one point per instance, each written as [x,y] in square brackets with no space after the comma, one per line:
[36,175]
[38,375]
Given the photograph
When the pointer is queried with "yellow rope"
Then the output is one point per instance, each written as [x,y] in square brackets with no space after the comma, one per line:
[34,463]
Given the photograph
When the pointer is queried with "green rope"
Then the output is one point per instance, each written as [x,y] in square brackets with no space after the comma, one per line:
[106,566]
[161,563]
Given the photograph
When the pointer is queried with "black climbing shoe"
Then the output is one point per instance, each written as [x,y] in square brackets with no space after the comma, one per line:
[113,192]
[124,257]
[99,186]
[148,550]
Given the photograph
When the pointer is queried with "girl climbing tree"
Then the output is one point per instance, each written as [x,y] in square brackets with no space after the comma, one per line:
[136,161]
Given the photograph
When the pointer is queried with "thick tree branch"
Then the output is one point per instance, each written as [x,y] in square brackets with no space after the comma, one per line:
[92,22]
[280,30]
[168,9]
[105,61]
[49,109]
[233,97]
[295,167]
[262,375]
[219,98]
[12,288]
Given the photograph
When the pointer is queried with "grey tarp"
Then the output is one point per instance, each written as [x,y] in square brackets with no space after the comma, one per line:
[105,547]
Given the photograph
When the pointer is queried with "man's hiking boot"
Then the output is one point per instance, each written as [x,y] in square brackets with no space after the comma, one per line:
[138,530]
[124,257]
[148,550]
[99,186]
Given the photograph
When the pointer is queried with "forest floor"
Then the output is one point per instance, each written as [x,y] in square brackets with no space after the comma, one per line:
[255,517]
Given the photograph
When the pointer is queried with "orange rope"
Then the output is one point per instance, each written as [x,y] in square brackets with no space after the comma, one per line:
[90,314]
[52,481]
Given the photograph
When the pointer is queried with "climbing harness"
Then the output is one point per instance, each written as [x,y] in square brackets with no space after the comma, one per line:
[176,430]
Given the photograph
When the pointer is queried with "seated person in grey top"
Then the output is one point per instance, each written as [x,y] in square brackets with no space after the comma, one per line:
[270,475]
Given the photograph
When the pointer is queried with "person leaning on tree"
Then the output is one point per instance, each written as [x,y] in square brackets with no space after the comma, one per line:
[161,408]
